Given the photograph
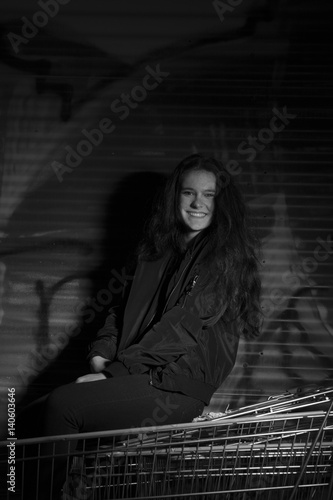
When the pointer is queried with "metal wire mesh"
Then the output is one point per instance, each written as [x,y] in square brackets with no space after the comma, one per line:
[258,452]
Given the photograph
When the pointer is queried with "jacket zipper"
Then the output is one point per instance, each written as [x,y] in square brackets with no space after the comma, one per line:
[175,286]
[168,300]
[190,288]
[173,289]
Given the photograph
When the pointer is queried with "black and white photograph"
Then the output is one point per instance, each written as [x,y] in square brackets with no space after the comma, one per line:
[166,250]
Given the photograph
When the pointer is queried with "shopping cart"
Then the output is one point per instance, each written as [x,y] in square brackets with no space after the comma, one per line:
[281,449]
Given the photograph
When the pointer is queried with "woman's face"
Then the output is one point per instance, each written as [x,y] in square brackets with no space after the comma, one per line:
[196,205]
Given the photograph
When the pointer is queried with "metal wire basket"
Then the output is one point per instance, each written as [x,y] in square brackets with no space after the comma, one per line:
[281,449]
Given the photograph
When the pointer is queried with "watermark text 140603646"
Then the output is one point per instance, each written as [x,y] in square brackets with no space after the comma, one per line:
[11,446]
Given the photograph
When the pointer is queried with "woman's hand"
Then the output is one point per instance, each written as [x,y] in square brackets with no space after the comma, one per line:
[91,377]
[98,364]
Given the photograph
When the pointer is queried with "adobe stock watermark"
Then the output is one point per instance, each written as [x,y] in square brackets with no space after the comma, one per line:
[40,19]
[293,279]
[121,107]
[104,297]
[224,7]
[256,144]
[162,411]
[86,309]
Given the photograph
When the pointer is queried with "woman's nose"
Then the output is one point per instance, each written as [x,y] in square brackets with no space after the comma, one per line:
[197,202]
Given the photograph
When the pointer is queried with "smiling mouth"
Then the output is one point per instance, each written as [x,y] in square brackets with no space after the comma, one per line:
[197,214]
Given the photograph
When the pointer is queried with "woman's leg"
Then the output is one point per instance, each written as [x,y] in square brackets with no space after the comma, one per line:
[114,403]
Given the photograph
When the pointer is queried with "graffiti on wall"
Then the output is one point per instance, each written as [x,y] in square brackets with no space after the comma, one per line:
[55,120]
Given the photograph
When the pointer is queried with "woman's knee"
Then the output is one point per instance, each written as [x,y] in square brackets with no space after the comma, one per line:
[60,414]
[59,398]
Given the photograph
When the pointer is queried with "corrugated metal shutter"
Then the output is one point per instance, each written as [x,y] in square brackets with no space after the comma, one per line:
[254,87]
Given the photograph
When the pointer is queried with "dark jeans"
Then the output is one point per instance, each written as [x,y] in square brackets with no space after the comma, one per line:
[113,403]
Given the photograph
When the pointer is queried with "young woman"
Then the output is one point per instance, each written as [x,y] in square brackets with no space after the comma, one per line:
[195,290]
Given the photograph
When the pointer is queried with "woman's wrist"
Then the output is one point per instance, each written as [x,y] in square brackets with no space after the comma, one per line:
[98,363]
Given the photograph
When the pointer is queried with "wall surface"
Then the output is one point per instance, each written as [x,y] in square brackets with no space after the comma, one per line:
[98,102]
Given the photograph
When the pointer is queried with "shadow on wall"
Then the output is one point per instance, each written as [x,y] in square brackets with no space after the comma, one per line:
[125,216]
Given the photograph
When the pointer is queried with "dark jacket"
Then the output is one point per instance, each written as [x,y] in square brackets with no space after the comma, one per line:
[171,328]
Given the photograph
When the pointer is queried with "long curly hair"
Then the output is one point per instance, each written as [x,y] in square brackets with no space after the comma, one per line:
[232,250]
